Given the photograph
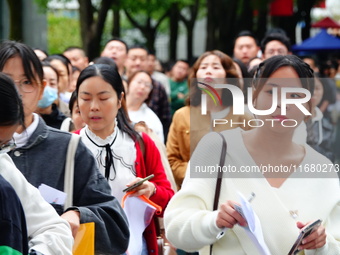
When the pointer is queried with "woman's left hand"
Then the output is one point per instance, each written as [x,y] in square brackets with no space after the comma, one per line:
[73,218]
[146,188]
[315,240]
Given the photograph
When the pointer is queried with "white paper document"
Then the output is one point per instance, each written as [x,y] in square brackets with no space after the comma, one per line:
[52,195]
[139,214]
[254,229]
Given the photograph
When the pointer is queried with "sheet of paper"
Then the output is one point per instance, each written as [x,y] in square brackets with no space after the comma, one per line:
[254,229]
[139,214]
[52,195]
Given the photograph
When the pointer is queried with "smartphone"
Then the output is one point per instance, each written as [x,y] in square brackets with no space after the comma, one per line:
[138,183]
[305,231]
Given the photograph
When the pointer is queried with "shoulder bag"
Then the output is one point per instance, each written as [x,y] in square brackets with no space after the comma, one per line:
[69,169]
[219,177]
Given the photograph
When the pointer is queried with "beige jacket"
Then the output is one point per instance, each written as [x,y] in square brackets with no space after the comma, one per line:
[187,128]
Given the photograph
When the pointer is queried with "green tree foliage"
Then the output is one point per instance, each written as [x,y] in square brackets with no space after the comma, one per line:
[62,33]
[225,18]
[147,15]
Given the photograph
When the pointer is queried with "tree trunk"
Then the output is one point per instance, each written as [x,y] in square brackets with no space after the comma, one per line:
[305,33]
[150,35]
[261,20]
[99,28]
[227,23]
[211,25]
[261,26]
[190,35]
[86,20]
[245,20]
[116,23]
[304,10]
[92,30]
[16,21]
[174,18]
[189,24]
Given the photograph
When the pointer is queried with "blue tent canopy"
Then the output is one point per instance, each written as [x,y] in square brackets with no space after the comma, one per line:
[321,42]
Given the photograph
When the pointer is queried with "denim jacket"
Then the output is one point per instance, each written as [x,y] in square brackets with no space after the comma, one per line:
[42,161]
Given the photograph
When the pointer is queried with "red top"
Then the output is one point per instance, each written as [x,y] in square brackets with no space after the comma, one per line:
[164,192]
[76,132]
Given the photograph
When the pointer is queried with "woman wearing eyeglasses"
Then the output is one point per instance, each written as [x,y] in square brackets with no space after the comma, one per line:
[138,94]
[21,217]
[41,155]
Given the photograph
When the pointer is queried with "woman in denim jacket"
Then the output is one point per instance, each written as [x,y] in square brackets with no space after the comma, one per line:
[41,155]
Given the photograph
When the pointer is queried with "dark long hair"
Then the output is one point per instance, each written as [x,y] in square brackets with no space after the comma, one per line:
[31,63]
[228,66]
[269,66]
[11,109]
[111,76]
[64,60]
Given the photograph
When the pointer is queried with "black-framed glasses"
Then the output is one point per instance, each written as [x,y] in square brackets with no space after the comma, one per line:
[7,147]
[25,85]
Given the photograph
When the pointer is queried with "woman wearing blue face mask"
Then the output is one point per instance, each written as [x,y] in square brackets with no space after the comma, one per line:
[47,107]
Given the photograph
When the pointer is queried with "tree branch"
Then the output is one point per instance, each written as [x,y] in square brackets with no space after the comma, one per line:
[102,14]
[193,14]
[134,22]
[160,20]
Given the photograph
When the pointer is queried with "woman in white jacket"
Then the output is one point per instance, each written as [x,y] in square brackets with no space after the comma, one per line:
[47,233]
[294,185]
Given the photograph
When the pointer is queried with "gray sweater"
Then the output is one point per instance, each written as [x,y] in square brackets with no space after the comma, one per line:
[42,160]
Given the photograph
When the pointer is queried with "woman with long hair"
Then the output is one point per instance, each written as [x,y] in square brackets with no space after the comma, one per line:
[123,155]
[41,153]
[188,124]
[287,198]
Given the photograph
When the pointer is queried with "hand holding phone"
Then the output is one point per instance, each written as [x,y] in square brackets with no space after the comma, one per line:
[305,231]
[138,183]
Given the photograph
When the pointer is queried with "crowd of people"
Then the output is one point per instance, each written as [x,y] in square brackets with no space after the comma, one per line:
[135,119]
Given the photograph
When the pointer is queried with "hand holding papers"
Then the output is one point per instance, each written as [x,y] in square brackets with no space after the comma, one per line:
[239,210]
[139,211]
[254,229]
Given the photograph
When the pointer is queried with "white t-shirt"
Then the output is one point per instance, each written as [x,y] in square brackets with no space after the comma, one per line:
[150,118]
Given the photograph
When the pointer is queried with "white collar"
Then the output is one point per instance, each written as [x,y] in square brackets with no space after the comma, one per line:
[121,144]
[22,139]
[108,140]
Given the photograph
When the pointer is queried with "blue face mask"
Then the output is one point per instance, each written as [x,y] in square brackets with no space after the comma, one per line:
[49,96]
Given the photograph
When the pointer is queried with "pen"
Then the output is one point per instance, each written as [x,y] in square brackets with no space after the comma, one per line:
[239,209]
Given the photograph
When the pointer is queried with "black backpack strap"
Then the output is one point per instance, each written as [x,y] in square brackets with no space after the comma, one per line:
[219,177]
